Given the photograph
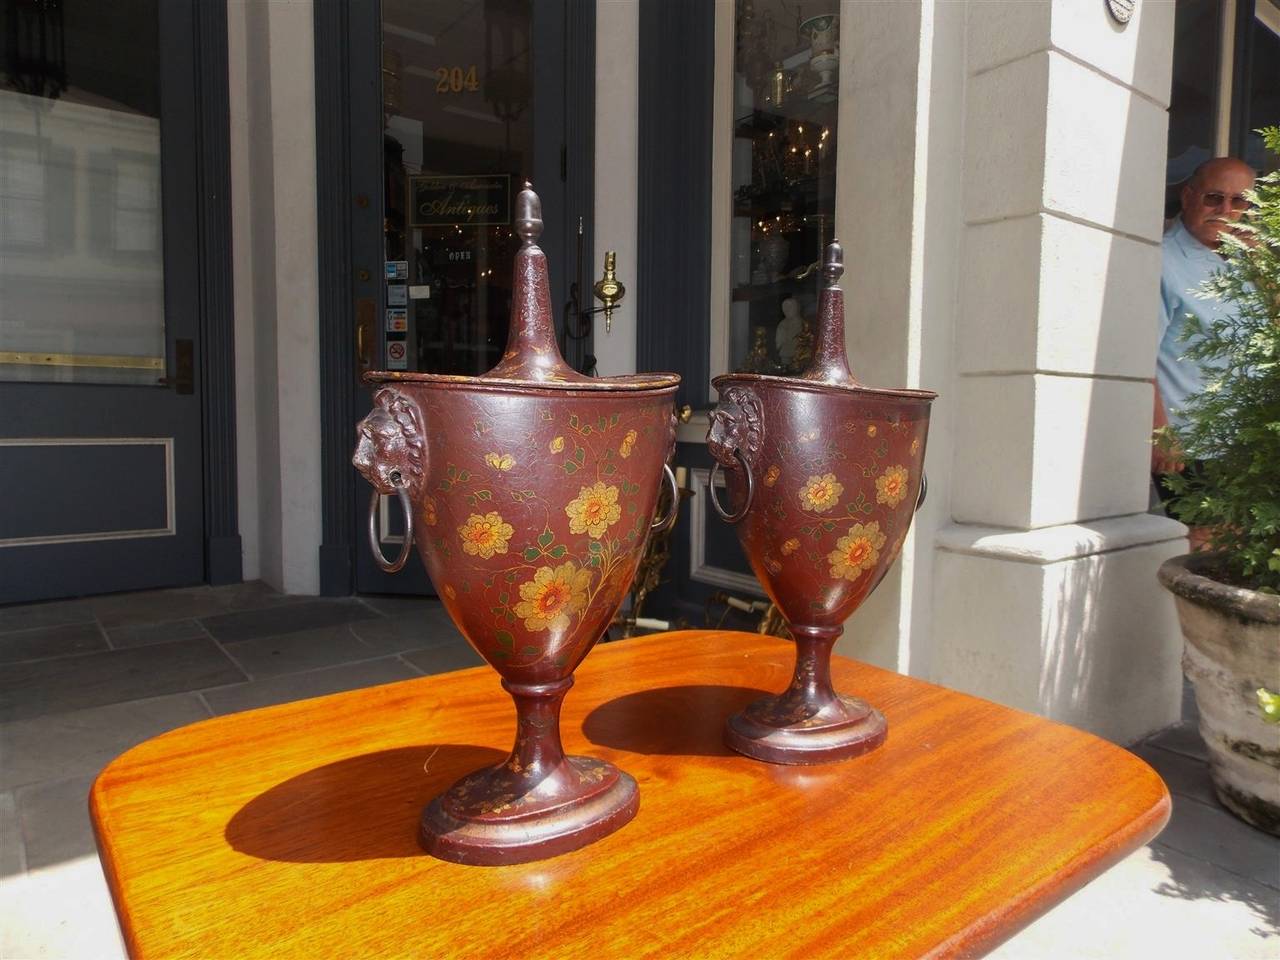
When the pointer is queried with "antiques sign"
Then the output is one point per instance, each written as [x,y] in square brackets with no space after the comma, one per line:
[478,200]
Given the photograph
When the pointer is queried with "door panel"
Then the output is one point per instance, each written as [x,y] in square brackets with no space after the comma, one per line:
[472,103]
[100,444]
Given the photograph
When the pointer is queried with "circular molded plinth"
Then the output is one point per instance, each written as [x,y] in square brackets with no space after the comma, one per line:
[493,817]
[772,730]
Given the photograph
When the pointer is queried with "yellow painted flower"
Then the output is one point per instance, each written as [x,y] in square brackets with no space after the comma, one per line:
[790,547]
[504,461]
[429,512]
[915,446]
[628,442]
[556,445]
[891,486]
[771,475]
[821,493]
[856,551]
[594,510]
[485,535]
[552,596]
[871,429]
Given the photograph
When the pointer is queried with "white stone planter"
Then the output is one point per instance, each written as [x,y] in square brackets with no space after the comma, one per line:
[1232,648]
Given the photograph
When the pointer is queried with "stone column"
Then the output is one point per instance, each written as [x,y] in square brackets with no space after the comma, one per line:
[1045,595]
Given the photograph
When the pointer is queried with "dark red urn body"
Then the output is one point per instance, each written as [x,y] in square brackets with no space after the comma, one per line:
[823,476]
[529,493]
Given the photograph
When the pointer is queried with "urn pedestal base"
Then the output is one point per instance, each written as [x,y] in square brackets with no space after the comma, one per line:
[809,722]
[537,803]
[845,728]
[483,820]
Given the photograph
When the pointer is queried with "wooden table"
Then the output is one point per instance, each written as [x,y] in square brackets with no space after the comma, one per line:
[290,831]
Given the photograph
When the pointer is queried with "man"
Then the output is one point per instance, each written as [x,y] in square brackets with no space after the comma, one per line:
[1212,201]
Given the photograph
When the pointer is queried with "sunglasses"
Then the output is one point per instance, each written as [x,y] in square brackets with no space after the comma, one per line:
[1217,199]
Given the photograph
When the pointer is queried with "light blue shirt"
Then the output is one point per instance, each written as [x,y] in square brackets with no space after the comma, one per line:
[1185,263]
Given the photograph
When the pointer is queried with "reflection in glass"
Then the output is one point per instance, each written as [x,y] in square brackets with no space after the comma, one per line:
[81,259]
[1263,90]
[1193,98]
[786,81]
[457,96]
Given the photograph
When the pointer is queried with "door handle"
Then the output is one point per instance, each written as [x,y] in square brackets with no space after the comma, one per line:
[366,334]
[184,362]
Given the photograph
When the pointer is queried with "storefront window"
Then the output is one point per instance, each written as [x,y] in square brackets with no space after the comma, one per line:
[786,82]
[1193,98]
[1263,86]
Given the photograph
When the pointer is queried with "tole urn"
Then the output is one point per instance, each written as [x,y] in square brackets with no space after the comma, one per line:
[530,492]
[823,477]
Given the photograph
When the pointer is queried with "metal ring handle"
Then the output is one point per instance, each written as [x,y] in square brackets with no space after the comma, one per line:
[376,547]
[751,489]
[669,521]
[924,491]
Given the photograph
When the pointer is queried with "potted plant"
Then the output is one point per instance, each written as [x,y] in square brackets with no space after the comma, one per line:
[1228,596]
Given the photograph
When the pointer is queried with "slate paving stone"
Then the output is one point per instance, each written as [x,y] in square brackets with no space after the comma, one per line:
[284,618]
[12,856]
[29,615]
[426,627]
[1211,833]
[444,657]
[400,606]
[37,687]
[1182,738]
[59,641]
[81,742]
[1184,776]
[300,686]
[55,821]
[138,635]
[155,606]
[297,652]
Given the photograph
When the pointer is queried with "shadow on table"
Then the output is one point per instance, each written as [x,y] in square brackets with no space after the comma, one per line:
[685,721]
[361,808]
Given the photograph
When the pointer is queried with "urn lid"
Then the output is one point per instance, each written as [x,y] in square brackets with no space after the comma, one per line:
[829,367]
[532,358]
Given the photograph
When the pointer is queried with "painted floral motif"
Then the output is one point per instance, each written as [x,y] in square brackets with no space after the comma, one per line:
[429,512]
[595,508]
[554,593]
[821,493]
[449,592]
[871,429]
[485,535]
[856,551]
[771,475]
[503,461]
[790,547]
[556,445]
[629,441]
[891,486]
[915,446]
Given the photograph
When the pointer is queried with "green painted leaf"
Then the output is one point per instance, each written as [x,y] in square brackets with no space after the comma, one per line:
[613,421]
[602,424]
[464,476]
[505,639]
[579,455]
[503,597]
[573,421]
[570,467]
[484,494]
[511,577]
[497,611]
[609,470]
[557,551]
[595,546]
[529,651]
[445,485]
[545,538]
[471,499]
[531,553]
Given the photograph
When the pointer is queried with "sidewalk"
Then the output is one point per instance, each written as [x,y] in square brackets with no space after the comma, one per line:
[113,671]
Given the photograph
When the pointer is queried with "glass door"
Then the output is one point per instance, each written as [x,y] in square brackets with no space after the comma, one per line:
[100,445]
[472,97]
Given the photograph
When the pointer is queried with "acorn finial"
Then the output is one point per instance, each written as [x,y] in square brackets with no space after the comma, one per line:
[528,214]
[833,266]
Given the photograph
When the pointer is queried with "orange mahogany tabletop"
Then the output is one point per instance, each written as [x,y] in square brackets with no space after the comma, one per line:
[290,831]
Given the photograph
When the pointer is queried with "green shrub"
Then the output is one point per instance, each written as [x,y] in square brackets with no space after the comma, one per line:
[1233,424]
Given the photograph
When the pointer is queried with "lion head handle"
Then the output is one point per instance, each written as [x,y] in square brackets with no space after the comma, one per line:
[390,451]
[737,423]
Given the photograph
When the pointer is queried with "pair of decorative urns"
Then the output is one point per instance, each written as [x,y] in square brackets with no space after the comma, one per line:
[531,491]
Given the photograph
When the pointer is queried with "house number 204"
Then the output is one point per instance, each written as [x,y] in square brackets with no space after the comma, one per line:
[456,79]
